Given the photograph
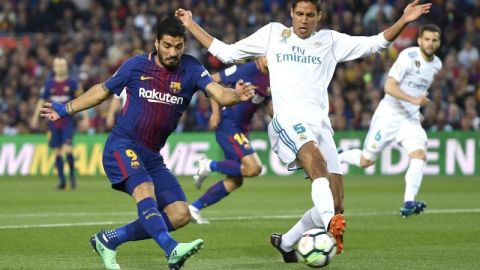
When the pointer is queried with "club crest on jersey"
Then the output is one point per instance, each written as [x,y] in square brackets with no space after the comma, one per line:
[66,88]
[286,33]
[135,164]
[175,87]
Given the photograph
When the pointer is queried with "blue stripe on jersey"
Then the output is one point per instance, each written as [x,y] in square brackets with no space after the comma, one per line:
[157,97]
[283,135]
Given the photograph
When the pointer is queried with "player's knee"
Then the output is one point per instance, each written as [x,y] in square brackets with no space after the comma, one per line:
[253,170]
[180,218]
[418,154]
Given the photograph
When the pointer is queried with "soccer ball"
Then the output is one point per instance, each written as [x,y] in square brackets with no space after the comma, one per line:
[316,248]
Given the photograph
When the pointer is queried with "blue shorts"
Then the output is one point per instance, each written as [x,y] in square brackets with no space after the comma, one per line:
[234,143]
[61,136]
[128,164]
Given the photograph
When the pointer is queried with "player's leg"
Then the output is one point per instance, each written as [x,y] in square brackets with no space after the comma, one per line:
[173,206]
[56,144]
[236,146]
[416,148]
[67,139]
[251,166]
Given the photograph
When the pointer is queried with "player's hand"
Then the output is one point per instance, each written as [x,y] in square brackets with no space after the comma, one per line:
[50,112]
[413,11]
[244,90]
[421,100]
[185,16]
[214,120]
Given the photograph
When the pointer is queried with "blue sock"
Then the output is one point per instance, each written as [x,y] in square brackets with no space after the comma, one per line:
[131,232]
[228,167]
[152,222]
[214,194]
[71,164]
[59,166]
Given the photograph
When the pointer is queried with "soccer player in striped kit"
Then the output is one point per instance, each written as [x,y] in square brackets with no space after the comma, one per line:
[232,125]
[159,86]
[60,88]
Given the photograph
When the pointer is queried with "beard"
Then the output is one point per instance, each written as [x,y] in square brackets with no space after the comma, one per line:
[173,63]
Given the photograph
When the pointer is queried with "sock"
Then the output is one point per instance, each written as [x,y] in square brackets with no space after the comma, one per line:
[131,232]
[351,157]
[413,179]
[228,167]
[71,164]
[311,219]
[152,222]
[214,194]
[323,199]
[59,166]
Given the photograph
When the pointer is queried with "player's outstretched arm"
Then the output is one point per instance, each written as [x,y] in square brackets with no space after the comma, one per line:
[185,16]
[392,88]
[227,96]
[411,13]
[89,99]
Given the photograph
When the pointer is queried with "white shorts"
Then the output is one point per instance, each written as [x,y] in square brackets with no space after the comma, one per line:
[408,132]
[287,136]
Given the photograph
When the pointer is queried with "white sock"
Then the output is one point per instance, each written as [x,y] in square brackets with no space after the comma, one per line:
[413,179]
[351,157]
[323,199]
[311,219]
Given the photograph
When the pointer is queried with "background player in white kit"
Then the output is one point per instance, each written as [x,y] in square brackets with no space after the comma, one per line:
[397,117]
[301,65]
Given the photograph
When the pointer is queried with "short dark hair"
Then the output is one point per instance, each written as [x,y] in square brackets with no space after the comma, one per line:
[173,27]
[430,28]
[317,3]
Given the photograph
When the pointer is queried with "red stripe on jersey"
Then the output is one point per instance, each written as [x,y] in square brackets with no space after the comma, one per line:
[120,163]
[236,147]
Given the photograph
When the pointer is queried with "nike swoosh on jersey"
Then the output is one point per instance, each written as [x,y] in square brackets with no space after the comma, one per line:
[143,78]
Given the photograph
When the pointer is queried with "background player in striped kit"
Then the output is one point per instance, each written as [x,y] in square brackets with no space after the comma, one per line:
[232,125]
[60,88]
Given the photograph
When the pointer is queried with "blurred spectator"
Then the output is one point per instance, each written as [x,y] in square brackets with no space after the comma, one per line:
[96,36]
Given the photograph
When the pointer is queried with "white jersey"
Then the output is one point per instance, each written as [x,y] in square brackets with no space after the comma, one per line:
[300,69]
[415,76]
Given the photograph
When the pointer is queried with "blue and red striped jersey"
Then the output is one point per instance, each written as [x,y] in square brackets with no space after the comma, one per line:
[156,97]
[61,92]
[240,115]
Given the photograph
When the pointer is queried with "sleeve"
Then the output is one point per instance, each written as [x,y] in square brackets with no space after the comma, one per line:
[346,47]
[201,76]
[234,73]
[119,79]
[253,45]
[44,93]
[400,67]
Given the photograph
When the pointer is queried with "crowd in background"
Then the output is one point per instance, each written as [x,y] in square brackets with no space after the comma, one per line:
[97,36]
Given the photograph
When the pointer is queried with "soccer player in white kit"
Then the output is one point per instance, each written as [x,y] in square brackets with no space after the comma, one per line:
[301,64]
[397,117]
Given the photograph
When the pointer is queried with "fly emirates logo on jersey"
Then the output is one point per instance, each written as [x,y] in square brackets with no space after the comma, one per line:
[152,95]
[298,54]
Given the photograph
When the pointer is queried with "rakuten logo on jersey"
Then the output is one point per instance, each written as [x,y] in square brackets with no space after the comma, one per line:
[159,97]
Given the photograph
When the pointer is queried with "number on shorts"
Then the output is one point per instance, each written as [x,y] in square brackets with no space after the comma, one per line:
[378,136]
[299,128]
[131,154]
[241,138]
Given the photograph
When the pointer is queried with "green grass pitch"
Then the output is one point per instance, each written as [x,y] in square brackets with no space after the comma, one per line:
[45,229]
